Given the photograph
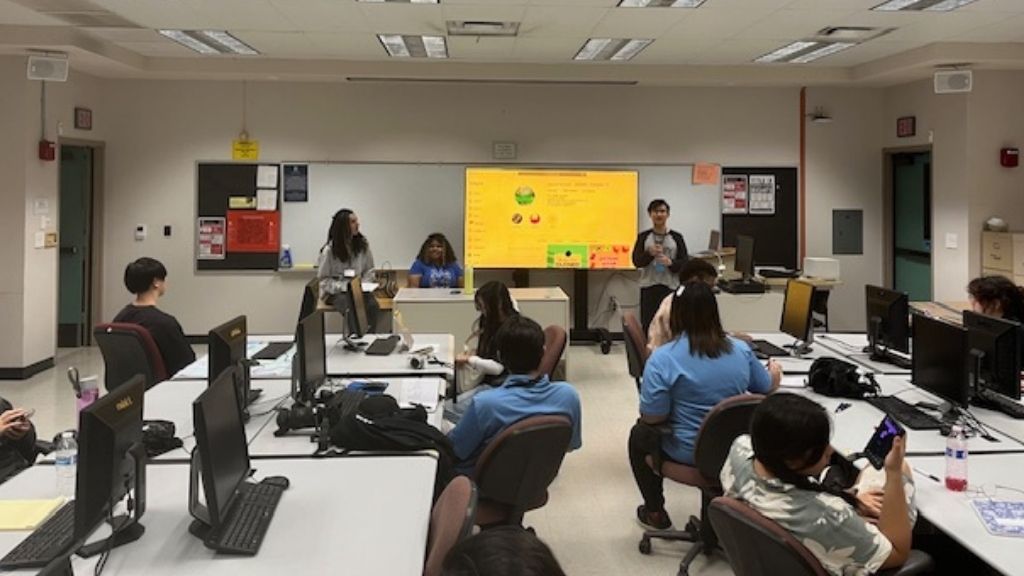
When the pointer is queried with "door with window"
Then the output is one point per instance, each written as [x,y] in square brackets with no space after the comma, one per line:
[912,224]
[76,199]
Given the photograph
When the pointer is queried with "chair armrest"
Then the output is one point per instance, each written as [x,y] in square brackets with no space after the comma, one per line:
[43,447]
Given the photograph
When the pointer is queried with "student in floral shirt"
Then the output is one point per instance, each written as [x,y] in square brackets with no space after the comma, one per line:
[774,470]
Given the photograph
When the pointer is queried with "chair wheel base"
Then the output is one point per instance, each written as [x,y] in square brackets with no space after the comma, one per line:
[645,546]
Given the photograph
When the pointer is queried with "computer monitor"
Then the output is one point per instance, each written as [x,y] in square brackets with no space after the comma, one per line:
[356,317]
[714,241]
[311,353]
[939,359]
[227,344]
[220,461]
[310,298]
[111,465]
[796,314]
[745,256]
[994,347]
[888,321]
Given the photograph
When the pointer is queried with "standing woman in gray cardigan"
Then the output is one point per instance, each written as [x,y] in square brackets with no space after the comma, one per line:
[345,254]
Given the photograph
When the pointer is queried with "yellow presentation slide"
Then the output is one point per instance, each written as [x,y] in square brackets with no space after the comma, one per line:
[550,218]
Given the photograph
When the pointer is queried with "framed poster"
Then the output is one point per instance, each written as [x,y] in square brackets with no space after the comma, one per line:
[211,240]
[762,194]
[906,126]
[734,194]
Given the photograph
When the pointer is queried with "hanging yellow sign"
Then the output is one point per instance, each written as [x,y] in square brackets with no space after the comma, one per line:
[245,149]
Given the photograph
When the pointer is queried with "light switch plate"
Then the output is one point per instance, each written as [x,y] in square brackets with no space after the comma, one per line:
[140,232]
[951,241]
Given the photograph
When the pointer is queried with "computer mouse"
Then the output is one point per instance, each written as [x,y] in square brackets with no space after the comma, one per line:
[281,481]
[761,356]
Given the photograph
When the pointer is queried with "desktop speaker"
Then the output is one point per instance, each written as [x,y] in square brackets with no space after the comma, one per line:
[48,68]
[953,81]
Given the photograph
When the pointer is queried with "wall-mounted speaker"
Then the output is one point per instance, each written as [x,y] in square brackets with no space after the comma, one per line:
[953,81]
[48,68]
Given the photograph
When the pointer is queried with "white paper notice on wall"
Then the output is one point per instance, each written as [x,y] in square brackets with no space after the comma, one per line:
[40,240]
[951,241]
[762,194]
[40,206]
[266,176]
[734,194]
[266,200]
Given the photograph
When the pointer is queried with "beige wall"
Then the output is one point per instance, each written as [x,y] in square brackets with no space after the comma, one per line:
[13,130]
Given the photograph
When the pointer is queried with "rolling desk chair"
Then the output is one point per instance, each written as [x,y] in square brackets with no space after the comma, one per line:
[451,521]
[728,420]
[758,546]
[636,347]
[554,346]
[129,349]
[516,468]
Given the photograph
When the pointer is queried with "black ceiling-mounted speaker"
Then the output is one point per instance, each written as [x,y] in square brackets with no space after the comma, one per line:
[48,68]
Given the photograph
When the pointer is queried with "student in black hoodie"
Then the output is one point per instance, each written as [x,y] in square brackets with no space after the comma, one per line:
[147,279]
[659,253]
[17,440]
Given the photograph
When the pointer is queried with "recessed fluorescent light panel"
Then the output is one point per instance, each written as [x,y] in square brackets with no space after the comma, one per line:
[804,51]
[210,42]
[612,48]
[926,5]
[660,3]
[409,46]
[825,50]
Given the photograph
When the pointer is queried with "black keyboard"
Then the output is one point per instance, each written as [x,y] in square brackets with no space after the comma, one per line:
[384,346]
[272,350]
[49,540]
[906,414]
[741,287]
[989,399]
[768,349]
[248,520]
[773,273]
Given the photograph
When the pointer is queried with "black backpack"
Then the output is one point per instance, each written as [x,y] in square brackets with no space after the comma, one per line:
[378,424]
[839,378]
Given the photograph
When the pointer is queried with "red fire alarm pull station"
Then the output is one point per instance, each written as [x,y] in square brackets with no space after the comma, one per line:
[1009,157]
[47,150]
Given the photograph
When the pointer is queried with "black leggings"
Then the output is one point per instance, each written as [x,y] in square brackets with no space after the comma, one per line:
[650,300]
[645,441]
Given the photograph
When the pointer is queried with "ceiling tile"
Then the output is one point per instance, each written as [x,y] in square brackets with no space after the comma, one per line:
[133,35]
[832,5]
[793,24]
[349,46]
[280,44]
[719,24]
[1009,30]
[397,18]
[943,26]
[154,13]
[546,49]
[158,49]
[676,50]
[480,48]
[759,5]
[489,12]
[319,15]
[577,3]
[240,15]
[739,51]
[560,21]
[866,52]
[18,15]
[638,22]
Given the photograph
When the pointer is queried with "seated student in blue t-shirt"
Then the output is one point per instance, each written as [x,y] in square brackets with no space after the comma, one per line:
[682,382]
[524,393]
[436,265]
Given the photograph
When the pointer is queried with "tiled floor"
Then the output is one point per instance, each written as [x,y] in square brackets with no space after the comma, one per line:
[589,519]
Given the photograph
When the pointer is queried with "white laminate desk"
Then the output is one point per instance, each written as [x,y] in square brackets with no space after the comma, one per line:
[852,427]
[297,443]
[340,362]
[793,364]
[851,347]
[366,515]
[952,512]
[452,310]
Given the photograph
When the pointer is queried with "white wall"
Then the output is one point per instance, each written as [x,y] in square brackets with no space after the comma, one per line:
[13,128]
[163,127]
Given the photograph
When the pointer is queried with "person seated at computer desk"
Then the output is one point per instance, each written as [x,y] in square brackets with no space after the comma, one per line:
[682,381]
[999,297]
[17,440]
[775,469]
[436,266]
[147,279]
[524,393]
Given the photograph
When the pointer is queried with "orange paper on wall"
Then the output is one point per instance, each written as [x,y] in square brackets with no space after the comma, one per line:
[705,174]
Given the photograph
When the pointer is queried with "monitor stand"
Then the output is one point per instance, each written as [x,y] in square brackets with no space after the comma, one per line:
[881,353]
[126,529]
[799,348]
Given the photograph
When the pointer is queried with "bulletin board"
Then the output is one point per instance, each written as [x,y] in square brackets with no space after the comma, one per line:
[774,224]
[238,216]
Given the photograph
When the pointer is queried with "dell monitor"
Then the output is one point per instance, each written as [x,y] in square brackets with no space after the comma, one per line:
[227,345]
[220,461]
[888,323]
[111,465]
[356,323]
[310,298]
[939,362]
[994,348]
[796,315]
[745,257]
[311,351]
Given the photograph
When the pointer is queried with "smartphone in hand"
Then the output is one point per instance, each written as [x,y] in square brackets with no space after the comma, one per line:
[881,442]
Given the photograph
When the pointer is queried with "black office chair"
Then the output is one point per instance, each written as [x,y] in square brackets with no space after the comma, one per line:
[636,347]
[758,546]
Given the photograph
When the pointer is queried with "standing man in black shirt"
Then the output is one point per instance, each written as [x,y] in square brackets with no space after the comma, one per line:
[146,278]
[659,253]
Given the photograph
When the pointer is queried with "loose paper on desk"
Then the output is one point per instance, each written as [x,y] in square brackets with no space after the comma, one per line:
[266,176]
[266,199]
[21,515]
[1001,517]
[422,391]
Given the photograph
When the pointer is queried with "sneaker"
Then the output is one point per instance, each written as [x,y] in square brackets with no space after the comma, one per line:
[653,520]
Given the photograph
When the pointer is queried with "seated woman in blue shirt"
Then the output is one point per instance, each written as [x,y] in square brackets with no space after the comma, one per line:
[682,382]
[436,265]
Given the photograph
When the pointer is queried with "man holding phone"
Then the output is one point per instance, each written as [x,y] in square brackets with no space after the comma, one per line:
[17,440]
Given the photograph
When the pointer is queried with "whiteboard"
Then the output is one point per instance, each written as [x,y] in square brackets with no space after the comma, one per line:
[400,204]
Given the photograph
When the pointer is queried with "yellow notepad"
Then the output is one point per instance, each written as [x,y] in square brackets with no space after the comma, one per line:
[21,515]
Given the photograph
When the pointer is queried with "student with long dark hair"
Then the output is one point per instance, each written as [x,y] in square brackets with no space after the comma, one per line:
[436,265]
[997,296]
[345,254]
[682,381]
[776,468]
[501,551]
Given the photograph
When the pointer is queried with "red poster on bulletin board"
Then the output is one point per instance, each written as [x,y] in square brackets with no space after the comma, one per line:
[254,231]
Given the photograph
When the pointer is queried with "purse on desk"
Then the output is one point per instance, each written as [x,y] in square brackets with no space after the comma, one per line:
[840,379]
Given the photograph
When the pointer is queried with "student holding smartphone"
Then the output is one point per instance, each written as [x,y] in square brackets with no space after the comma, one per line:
[775,470]
[17,440]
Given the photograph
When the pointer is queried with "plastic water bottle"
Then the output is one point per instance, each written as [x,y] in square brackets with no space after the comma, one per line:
[956,460]
[467,280]
[66,464]
[286,257]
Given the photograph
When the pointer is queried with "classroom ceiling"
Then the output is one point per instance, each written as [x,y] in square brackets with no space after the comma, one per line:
[713,44]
